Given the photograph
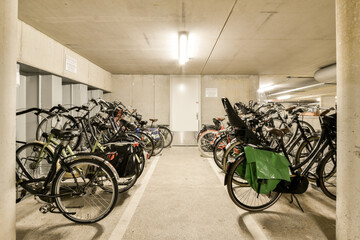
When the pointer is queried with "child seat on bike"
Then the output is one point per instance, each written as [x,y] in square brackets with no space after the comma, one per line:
[241,129]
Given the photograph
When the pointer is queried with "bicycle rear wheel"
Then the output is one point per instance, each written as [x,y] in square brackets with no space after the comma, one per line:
[243,195]
[88,192]
[167,135]
[158,142]
[205,143]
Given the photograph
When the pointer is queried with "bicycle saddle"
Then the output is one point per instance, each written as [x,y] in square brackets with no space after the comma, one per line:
[142,123]
[65,134]
[289,109]
[275,131]
[220,119]
[153,119]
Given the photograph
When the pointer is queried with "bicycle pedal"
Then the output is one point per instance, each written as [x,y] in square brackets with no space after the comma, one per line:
[46,208]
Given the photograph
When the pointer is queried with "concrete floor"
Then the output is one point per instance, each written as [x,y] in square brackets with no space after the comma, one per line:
[181,196]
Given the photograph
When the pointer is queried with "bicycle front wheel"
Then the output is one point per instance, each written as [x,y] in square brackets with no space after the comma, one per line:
[88,192]
[327,174]
[243,195]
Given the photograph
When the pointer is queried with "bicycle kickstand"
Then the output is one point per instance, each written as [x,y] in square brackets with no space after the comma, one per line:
[297,200]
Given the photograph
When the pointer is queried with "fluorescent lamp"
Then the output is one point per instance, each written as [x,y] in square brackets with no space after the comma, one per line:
[265,89]
[284,97]
[296,89]
[183,48]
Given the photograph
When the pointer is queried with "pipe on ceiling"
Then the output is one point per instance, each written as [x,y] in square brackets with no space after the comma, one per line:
[326,74]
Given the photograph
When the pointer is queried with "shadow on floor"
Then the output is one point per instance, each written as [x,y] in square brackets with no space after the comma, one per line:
[57,232]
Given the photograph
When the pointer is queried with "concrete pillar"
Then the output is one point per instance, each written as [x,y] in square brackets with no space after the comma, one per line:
[327,101]
[348,92]
[32,100]
[21,105]
[66,95]
[8,56]
[51,90]
[96,94]
[79,94]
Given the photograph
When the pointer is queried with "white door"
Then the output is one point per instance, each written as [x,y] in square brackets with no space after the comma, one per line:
[185,103]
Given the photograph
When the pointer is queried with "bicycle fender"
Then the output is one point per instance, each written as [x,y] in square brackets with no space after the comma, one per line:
[49,147]
[92,156]
[229,166]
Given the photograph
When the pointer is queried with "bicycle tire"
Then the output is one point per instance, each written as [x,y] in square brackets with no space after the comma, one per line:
[232,151]
[30,162]
[205,142]
[204,129]
[159,144]
[147,140]
[219,150]
[304,151]
[46,125]
[257,202]
[167,135]
[326,172]
[72,196]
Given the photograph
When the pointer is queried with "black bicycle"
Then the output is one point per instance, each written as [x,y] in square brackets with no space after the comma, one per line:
[250,199]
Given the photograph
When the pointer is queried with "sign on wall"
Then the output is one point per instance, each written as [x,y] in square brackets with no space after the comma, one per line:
[211,92]
[70,64]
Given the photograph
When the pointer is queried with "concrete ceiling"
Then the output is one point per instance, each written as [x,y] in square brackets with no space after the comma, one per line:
[265,37]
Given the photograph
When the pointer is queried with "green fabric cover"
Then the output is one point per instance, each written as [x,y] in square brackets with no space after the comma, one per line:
[269,166]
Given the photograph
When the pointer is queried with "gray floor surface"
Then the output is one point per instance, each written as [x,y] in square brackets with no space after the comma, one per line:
[185,199]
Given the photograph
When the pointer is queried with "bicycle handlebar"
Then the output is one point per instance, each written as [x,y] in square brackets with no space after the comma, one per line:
[38,111]
[326,111]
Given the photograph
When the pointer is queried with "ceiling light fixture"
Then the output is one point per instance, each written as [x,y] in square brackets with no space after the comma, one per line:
[183,48]
[296,89]
[266,89]
[284,97]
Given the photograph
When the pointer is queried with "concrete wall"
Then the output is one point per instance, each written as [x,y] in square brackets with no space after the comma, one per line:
[150,94]
[235,87]
[40,51]
[327,101]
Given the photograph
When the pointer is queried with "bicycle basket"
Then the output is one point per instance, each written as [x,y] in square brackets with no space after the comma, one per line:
[329,123]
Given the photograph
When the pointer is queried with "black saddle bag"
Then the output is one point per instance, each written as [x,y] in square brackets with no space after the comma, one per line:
[123,160]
